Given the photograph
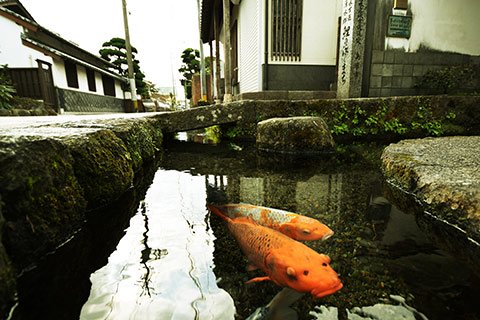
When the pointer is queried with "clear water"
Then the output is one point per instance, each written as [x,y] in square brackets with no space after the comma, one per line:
[163,267]
[158,254]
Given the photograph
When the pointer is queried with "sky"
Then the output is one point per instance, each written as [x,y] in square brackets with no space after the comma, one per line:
[159,29]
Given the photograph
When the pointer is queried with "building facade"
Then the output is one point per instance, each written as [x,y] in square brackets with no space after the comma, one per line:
[351,47]
[47,67]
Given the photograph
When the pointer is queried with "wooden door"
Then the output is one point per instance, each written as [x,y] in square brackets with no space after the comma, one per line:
[46,84]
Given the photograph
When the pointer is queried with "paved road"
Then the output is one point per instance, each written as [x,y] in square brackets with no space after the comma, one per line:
[61,125]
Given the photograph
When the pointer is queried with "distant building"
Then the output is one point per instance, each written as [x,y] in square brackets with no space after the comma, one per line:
[165,90]
[47,67]
[345,48]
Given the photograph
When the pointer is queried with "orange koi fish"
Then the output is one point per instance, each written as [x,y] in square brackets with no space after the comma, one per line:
[288,263]
[294,225]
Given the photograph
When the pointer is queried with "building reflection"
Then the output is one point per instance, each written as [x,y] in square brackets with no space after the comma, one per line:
[316,195]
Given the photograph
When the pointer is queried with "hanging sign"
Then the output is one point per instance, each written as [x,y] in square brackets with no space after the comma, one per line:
[399,26]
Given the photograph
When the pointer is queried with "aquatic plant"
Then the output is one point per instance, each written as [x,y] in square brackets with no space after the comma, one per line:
[384,119]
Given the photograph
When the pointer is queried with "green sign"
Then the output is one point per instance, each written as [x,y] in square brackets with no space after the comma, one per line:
[399,26]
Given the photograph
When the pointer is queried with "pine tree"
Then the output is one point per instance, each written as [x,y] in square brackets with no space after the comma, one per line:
[115,51]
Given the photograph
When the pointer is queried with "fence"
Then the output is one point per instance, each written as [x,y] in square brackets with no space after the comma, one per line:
[27,82]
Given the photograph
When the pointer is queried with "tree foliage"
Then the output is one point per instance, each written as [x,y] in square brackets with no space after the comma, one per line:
[115,51]
[190,66]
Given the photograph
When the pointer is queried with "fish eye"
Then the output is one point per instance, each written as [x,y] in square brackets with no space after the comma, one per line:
[324,264]
[305,272]
[306,231]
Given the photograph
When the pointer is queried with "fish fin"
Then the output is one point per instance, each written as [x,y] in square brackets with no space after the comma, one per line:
[248,219]
[217,211]
[252,267]
[259,279]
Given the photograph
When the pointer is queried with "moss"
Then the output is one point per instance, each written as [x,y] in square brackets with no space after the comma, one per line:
[141,138]
[43,203]
[7,276]
[103,167]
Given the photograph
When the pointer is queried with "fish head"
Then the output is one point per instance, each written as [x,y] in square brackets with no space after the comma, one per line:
[312,274]
[304,229]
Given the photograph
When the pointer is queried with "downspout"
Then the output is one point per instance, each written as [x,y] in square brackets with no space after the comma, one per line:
[265,66]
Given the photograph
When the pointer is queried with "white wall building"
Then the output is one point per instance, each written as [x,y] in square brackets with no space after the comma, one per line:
[297,45]
[45,66]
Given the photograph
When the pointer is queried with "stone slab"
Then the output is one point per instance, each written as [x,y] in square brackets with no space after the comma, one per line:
[294,135]
[439,171]
[442,178]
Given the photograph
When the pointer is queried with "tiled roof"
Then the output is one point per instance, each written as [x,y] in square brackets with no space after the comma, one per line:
[70,57]
[17,7]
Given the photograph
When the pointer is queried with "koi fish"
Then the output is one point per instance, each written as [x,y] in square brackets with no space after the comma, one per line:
[294,225]
[288,263]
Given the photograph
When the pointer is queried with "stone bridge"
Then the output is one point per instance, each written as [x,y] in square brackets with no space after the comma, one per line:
[202,117]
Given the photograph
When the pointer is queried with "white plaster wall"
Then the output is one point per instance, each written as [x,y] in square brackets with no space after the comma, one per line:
[98,83]
[249,46]
[12,51]
[118,89]
[443,25]
[82,79]
[59,75]
[319,33]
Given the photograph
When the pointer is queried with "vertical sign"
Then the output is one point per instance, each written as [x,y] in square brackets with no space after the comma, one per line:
[352,45]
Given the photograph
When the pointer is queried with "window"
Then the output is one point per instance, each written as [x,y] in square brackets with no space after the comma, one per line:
[108,85]
[71,72]
[286,30]
[91,80]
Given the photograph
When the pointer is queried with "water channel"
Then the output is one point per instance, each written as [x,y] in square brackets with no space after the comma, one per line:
[157,253]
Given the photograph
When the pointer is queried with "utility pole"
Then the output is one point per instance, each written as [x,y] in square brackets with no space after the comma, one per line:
[203,77]
[226,48]
[131,77]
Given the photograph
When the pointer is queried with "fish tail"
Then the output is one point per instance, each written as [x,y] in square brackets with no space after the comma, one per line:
[218,212]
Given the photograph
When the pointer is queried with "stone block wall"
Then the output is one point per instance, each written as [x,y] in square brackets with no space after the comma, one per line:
[395,73]
[76,101]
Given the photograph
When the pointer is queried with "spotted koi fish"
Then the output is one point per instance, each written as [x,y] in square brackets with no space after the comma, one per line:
[288,263]
[294,225]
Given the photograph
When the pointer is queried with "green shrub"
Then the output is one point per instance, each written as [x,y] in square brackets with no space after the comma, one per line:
[453,79]
[6,89]
[353,120]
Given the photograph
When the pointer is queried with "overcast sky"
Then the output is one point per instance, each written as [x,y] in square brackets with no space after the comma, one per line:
[159,29]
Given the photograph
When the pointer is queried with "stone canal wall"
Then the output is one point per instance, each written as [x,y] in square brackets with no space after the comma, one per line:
[350,119]
[52,172]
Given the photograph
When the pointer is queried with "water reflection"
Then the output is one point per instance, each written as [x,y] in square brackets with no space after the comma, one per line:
[163,266]
[176,262]
[378,250]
